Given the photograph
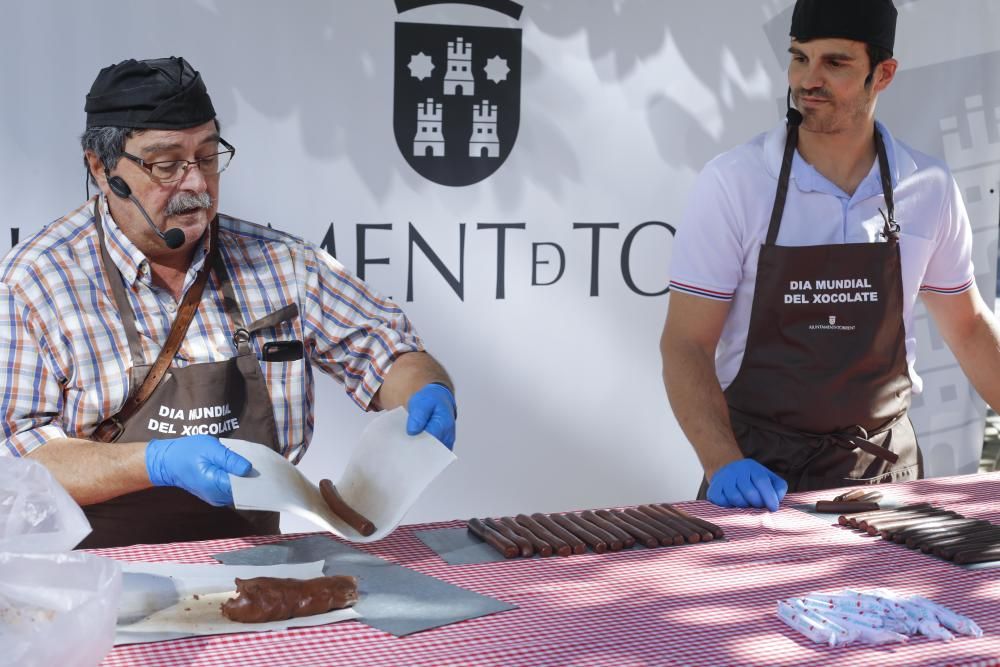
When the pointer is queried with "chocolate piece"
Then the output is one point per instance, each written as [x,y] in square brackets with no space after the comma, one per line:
[613,542]
[676,537]
[612,529]
[559,545]
[849,507]
[492,538]
[265,599]
[922,531]
[527,551]
[704,534]
[853,494]
[892,526]
[913,536]
[716,531]
[662,538]
[594,542]
[875,526]
[339,507]
[859,495]
[639,534]
[971,541]
[980,554]
[867,518]
[657,530]
[958,536]
[687,531]
[853,520]
[977,544]
[575,543]
[861,520]
[541,547]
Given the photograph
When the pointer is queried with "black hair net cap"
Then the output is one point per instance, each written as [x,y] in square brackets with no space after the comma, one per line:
[869,21]
[162,93]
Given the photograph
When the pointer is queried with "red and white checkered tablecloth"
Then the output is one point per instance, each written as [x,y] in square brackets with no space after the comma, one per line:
[705,604]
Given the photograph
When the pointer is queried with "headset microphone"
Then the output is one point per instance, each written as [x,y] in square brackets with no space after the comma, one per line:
[793,115]
[174,237]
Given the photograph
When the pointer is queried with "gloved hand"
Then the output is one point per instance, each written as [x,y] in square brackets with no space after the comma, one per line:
[199,464]
[746,483]
[432,409]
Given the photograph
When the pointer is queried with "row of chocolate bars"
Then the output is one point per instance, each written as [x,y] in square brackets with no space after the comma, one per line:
[601,530]
[932,530]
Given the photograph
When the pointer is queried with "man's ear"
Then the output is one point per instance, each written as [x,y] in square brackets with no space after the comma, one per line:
[96,168]
[885,72]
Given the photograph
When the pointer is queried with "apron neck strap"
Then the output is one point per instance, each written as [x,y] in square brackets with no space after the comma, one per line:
[778,209]
[118,289]
[891,229]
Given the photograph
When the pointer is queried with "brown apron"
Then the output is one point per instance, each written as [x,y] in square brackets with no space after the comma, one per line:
[823,389]
[225,399]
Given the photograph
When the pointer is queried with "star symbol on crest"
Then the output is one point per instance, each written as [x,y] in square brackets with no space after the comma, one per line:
[496,69]
[421,66]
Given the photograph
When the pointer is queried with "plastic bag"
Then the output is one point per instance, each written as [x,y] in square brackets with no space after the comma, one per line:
[36,513]
[56,608]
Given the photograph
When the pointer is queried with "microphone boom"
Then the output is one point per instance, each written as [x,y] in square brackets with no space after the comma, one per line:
[173,238]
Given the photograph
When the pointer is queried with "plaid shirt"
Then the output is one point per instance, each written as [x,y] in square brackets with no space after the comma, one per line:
[64,357]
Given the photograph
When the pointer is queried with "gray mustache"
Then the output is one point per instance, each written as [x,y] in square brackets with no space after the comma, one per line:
[185,201]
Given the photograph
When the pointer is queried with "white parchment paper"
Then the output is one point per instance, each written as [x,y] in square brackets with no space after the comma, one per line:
[387,472]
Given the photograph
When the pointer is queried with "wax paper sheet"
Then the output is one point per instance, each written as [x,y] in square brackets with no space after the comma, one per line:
[387,472]
[393,598]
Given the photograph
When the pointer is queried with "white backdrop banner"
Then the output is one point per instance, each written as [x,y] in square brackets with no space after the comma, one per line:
[533,257]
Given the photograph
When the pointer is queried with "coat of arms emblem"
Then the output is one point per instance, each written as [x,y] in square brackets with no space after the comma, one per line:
[457,94]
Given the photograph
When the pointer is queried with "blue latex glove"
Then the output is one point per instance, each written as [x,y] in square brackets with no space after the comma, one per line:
[746,483]
[199,464]
[432,409]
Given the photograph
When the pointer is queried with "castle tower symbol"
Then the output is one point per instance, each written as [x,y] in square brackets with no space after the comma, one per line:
[429,140]
[484,141]
[458,78]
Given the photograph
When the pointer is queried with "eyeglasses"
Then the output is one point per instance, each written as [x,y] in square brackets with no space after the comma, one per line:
[171,171]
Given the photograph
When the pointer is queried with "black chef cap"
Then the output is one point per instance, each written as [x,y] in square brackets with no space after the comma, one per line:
[869,21]
[163,94]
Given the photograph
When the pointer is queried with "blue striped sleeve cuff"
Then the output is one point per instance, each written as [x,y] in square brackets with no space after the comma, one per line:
[700,291]
[949,290]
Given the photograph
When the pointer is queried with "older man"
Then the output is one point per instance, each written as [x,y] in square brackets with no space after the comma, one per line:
[142,326]
[789,345]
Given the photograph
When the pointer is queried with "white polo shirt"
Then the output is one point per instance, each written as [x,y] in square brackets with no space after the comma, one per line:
[725,223]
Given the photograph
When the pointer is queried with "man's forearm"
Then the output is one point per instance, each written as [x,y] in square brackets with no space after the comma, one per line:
[93,472]
[698,404]
[971,330]
[408,373]
[979,355]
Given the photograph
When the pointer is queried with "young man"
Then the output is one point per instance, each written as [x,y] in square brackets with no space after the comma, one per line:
[789,343]
[235,315]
